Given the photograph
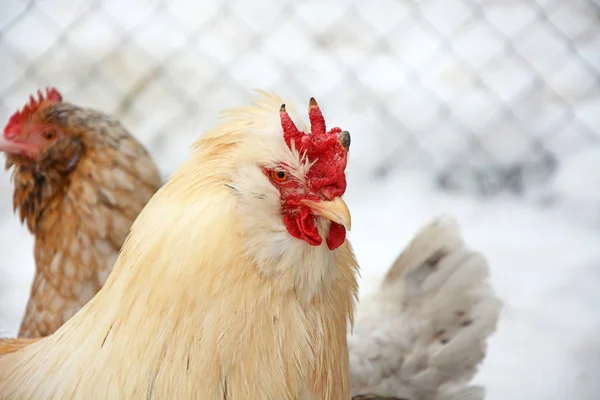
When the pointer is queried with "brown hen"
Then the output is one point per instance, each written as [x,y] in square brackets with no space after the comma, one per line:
[80,179]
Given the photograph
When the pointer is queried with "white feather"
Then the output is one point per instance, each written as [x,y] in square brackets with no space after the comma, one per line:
[422,334]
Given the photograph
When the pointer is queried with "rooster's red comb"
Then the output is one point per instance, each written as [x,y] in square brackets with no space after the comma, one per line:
[18,118]
[327,150]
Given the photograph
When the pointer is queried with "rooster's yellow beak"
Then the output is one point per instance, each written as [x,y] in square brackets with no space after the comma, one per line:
[335,210]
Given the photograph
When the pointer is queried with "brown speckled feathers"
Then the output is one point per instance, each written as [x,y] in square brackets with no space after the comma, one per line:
[79,200]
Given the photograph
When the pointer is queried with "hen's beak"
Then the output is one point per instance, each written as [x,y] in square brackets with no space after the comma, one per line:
[10,147]
[335,210]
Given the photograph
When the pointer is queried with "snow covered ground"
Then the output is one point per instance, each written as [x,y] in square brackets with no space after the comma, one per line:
[383,71]
[545,266]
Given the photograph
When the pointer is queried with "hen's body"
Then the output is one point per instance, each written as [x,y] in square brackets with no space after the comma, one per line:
[423,333]
[79,201]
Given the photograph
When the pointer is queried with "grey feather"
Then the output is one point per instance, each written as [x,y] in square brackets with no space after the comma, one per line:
[422,334]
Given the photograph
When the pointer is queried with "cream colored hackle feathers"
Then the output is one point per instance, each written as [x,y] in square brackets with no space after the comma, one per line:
[210,297]
[422,334]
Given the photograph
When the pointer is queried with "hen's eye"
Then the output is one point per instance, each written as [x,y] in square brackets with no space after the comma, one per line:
[280,175]
[50,135]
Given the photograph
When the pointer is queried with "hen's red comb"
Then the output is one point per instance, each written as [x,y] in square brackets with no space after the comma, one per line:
[328,150]
[13,127]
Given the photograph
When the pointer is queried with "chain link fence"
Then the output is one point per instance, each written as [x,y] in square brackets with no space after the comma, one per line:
[488,94]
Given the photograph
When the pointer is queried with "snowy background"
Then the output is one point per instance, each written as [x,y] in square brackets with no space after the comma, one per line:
[488,110]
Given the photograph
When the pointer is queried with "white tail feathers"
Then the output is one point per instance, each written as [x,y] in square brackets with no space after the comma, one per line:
[423,334]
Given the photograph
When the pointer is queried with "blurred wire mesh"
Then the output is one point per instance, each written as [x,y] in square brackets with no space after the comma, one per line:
[487,94]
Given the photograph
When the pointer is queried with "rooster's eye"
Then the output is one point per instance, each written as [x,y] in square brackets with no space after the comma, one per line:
[50,135]
[280,176]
